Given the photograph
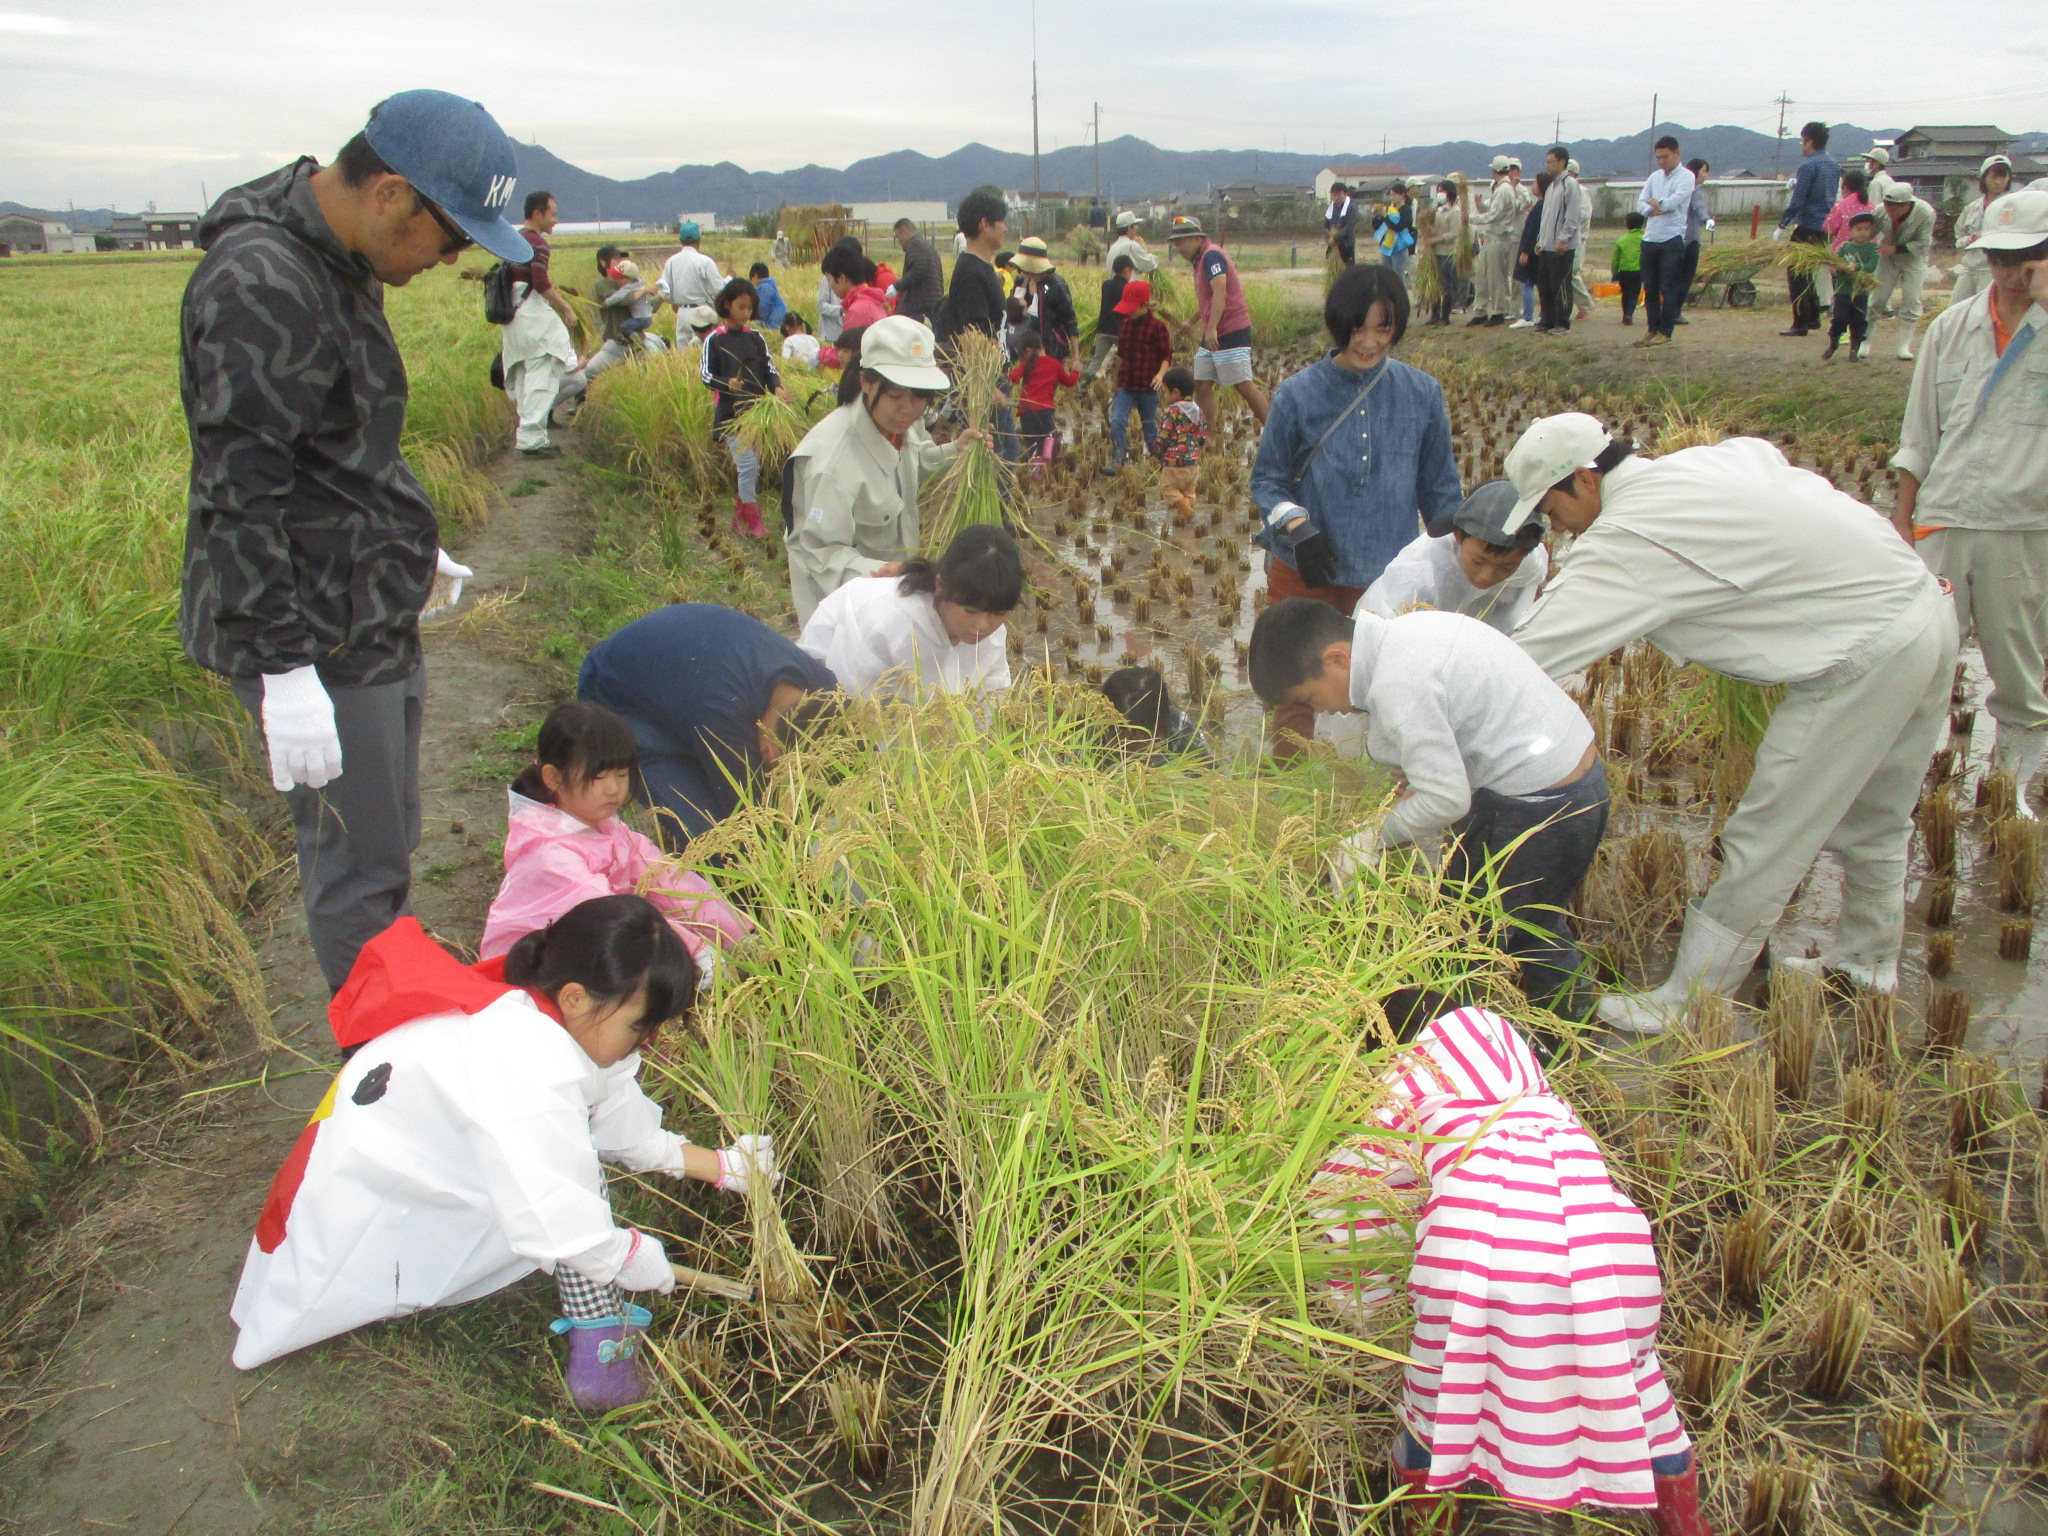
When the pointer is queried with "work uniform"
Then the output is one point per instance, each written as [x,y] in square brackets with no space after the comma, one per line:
[1973,276]
[853,501]
[1443,250]
[878,639]
[1427,574]
[1729,557]
[537,352]
[1142,260]
[690,278]
[1975,436]
[1905,271]
[1582,296]
[1499,227]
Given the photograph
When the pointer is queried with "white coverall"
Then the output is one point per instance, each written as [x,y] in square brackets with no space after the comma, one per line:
[451,1157]
[689,278]
[1582,296]
[1906,272]
[1426,574]
[1975,435]
[1729,557]
[853,501]
[1142,260]
[1499,228]
[1973,275]
[539,359]
[876,640]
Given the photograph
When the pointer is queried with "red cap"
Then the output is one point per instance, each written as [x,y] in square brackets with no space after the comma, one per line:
[1137,294]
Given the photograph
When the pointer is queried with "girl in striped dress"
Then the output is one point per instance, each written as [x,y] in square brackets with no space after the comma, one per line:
[1534,1283]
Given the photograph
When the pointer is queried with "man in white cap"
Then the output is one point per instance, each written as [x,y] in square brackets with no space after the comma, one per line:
[1582,296]
[850,492]
[689,278]
[1905,239]
[1877,179]
[1498,226]
[1729,557]
[1130,243]
[1973,475]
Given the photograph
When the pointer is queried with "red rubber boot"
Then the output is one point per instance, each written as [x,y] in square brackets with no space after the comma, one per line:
[750,520]
[1678,1505]
[1424,1513]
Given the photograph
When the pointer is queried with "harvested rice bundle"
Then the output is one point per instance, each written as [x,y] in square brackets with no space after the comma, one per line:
[977,485]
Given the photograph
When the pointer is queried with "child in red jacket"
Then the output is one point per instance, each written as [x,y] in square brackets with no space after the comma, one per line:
[1041,378]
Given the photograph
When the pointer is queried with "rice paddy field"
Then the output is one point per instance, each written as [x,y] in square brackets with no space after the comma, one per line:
[1051,1039]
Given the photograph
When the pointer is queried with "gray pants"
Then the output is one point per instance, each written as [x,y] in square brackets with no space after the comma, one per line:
[2001,582]
[1105,349]
[1904,275]
[1496,276]
[356,835]
[1582,296]
[1840,770]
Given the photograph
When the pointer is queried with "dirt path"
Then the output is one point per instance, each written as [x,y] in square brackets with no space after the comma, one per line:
[150,1430]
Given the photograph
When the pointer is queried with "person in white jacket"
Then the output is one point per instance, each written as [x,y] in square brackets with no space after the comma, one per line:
[1729,557]
[938,627]
[459,1148]
[1490,750]
[851,503]
[689,279]
[1477,569]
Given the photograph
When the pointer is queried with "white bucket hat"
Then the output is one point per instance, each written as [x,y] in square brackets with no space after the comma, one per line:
[903,351]
[1545,454]
[1126,219]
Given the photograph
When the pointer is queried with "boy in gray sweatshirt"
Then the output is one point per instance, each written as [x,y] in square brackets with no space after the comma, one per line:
[1491,750]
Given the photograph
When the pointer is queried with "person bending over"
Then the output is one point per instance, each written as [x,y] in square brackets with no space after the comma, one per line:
[1477,569]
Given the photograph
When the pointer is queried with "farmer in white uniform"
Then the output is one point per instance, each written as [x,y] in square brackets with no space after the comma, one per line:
[1499,227]
[1729,557]
[1130,243]
[538,350]
[1973,474]
[1477,569]
[689,278]
[1905,238]
[1582,296]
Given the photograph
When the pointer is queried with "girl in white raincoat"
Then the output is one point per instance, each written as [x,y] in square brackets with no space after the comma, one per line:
[460,1146]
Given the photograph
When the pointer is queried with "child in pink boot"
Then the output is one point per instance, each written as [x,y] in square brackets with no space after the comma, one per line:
[739,369]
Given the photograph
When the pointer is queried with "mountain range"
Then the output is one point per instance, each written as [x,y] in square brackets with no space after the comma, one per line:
[1131,169]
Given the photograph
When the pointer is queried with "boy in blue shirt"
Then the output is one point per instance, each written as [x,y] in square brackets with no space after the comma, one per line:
[772,305]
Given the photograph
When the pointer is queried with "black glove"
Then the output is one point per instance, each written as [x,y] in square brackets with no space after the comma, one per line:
[1313,558]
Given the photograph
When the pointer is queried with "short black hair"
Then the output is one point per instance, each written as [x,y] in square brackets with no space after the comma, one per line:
[979,208]
[1866,217]
[605,254]
[1856,181]
[1635,220]
[1123,263]
[1617,449]
[737,288]
[1448,187]
[1667,142]
[1288,643]
[1815,134]
[2019,258]
[1558,152]
[1353,295]
[536,201]
[1180,379]
[1142,697]
[358,163]
[611,946]
[905,222]
[758,269]
[1697,166]
[846,259]
[982,569]
[1335,186]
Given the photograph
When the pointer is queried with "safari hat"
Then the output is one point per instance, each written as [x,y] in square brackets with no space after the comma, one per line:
[1484,515]
[1186,227]
[1126,219]
[1032,256]
[902,351]
[1501,163]
[1544,455]
[1899,192]
[2017,221]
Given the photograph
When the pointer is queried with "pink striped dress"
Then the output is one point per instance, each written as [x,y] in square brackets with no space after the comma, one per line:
[1535,1283]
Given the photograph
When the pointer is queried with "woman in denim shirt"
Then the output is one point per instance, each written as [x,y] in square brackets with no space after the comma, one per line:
[1338,512]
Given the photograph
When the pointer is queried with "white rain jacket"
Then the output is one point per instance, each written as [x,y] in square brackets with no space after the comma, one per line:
[853,501]
[1426,574]
[876,640]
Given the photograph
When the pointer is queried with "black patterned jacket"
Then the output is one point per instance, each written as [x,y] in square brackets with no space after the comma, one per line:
[307,539]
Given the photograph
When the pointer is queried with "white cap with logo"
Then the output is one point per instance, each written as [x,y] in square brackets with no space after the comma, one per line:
[1500,162]
[902,351]
[2017,221]
[1545,454]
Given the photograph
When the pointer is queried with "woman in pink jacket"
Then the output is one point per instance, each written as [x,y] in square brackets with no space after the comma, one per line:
[565,843]
[1852,202]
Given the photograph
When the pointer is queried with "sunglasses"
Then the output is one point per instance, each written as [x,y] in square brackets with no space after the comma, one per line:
[458,239]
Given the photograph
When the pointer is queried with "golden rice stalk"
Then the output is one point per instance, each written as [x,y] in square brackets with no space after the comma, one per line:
[1938,815]
[1798,1015]
[1941,903]
[1870,1109]
[1914,1466]
[1287,1480]
[1468,245]
[1877,1030]
[2016,850]
[1996,797]
[772,427]
[1962,722]
[1941,954]
[2015,938]
[1425,282]
[859,1408]
[1976,1089]
[1687,429]
[1780,1498]
[1945,1322]
[1966,1216]
[1834,1344]
[1709,1361]
[1948,1015]
[977,485]
[1748,1256]
[1752,1118]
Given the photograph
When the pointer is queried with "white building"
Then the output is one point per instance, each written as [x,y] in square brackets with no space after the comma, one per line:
[31,236]
[881,216]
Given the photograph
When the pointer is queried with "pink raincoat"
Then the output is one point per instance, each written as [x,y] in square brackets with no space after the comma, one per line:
[863,306]
[1535,1283]
[553,862]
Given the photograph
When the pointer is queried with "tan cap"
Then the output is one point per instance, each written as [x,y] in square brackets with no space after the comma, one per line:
[1899,192]
[902,351]
[1544,455]
[2017,221]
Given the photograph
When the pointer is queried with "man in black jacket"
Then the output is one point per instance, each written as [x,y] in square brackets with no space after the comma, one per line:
[310,548]
[921,288]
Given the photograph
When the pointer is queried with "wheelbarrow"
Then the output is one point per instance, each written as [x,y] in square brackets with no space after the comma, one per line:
[1733,285]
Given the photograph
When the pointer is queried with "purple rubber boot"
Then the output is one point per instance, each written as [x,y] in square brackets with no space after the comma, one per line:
[604,1359]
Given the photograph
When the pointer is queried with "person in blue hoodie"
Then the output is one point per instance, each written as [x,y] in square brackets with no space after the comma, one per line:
[772,304]
[1356,447]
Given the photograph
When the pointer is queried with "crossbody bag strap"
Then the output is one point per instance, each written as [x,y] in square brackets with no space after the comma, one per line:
[1343,416]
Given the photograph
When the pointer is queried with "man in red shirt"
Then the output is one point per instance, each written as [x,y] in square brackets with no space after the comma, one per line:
[1225,353]
[538,351]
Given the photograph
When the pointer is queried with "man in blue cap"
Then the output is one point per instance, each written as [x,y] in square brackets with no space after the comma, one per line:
[689,279]
[310,549]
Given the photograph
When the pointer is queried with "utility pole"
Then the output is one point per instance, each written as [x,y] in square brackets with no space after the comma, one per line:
[1653,121]
[1778,149]
[1557,128]
[1098,151]
[1036,193]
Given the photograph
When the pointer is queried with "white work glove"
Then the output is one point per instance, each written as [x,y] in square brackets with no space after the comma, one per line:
[454,574]
[1712,226]
[745,1160]
[298,723]
[1355,855]
[1778,235]
[646,1267]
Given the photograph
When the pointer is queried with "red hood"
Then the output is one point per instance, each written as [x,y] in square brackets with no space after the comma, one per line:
[403,975]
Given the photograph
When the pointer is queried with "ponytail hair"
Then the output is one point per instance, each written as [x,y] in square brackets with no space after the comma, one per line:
[610,946]
[579,741]
[982,569]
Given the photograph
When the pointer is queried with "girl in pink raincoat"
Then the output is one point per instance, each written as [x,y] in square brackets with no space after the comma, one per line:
[1535,1286]
[565,844]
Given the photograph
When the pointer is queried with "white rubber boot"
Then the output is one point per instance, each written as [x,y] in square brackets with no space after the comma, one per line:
[2019,754]
[1868,937]
[1906,329]
[1863,353]
[1710,957]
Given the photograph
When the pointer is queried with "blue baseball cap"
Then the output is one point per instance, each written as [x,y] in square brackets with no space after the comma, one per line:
[688,230]
[454,154]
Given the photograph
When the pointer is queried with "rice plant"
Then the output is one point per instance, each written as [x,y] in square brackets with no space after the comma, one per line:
[977,485]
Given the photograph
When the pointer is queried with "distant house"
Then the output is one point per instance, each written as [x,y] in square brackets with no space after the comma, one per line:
[1263,192]
[1969,142]
[126,232]
[170,231]
[1352,175]
[28,235]
[1941,163]
[1728,197]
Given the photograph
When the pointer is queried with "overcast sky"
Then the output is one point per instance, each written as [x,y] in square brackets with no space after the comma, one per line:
[123,101]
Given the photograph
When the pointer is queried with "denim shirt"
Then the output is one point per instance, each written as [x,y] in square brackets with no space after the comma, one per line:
[1392,458]
[1813,192]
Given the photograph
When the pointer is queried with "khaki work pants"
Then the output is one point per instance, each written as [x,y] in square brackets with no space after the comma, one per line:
[2001,582]
[1496,276]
